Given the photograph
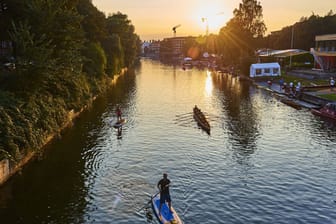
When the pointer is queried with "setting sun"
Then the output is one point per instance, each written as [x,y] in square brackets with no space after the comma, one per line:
[211,16]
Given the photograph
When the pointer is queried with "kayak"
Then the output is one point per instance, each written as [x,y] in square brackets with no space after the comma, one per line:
[120,123]
[166,217]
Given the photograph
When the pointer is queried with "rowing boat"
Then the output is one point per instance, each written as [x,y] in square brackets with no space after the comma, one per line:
[291,103]
[166,216]
[201,119]
[328,111]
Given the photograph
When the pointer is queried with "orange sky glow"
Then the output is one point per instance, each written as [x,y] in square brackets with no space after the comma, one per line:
[154,19]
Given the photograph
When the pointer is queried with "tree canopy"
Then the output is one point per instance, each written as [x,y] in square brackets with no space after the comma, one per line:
[64,53]
[237,38]
[304,32]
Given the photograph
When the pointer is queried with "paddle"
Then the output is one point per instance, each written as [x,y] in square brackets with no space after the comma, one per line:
[151,199]
[148,201]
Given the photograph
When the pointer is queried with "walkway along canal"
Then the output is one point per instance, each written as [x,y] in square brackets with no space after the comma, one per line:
[264,162]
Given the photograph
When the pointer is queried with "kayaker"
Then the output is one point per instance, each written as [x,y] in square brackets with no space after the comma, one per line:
[118,112]
[163,186]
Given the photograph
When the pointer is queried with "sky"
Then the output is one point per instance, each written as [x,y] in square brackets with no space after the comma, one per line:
[154,19]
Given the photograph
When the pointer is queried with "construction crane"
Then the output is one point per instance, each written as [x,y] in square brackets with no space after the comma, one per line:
[205,20]
[174,29]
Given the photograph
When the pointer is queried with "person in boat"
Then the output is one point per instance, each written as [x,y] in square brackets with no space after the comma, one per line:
[118,112]
[163,186]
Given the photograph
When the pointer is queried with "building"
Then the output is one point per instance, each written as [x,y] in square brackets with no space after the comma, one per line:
[154,48]
[172,49]
[325,52]
[151,49]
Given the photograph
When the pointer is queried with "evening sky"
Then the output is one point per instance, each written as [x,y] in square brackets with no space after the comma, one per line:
[154,19]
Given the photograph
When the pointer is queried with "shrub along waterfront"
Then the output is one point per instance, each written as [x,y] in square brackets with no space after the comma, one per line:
[65,53]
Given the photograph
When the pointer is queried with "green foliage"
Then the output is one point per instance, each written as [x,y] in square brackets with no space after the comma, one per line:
[12,10]
[55,72]
[238,38]
[330,96]
[61,26]
[115,54]
[249,17]
[95,62]
[304,32]
[120,25]
[32,52]
[93,22]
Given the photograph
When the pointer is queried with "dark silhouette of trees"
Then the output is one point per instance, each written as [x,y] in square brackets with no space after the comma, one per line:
[304,32]
[238,38]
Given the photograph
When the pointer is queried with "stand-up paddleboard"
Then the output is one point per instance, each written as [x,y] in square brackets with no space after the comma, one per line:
[166,216]
[119,123]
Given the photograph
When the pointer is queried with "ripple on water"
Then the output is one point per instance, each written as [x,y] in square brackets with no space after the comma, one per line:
[264,162]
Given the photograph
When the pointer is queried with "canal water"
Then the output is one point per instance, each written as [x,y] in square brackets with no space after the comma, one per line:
[263,162]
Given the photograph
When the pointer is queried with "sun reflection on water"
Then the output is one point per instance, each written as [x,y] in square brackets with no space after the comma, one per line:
[208,84]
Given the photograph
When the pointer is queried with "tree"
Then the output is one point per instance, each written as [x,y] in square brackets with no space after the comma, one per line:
[120,25]
[238,38]
[9,10]
[249,16]
[115,54]
[93,22]
[304,32]
[95,57]
[59,31]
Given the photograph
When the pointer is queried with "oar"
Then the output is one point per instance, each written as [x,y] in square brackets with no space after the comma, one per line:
[185,114]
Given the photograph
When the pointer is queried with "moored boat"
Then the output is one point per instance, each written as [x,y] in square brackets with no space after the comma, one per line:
[292,103]
[328,111]
[201,119]
[166,216]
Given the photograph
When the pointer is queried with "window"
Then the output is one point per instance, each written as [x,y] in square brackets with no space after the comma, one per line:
[267,70]
[258,71]
[275,71]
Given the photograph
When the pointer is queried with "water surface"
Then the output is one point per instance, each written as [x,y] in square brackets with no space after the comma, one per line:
[264,162]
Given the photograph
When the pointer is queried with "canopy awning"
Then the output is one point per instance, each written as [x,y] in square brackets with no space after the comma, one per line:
[281,53]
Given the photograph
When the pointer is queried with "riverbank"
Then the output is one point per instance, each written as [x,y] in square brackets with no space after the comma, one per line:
[8,168]
[311,95]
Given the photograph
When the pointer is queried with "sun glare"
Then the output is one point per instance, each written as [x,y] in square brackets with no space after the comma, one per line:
[211,17]
[208,84]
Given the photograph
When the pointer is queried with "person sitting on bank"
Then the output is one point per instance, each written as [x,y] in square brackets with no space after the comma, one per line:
[332,84]
[163,186]
[297,89]
[281,83]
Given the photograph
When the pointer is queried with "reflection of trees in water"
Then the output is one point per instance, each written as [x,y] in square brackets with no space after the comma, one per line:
[242,119]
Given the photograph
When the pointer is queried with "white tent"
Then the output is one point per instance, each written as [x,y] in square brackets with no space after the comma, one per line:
[265,69]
